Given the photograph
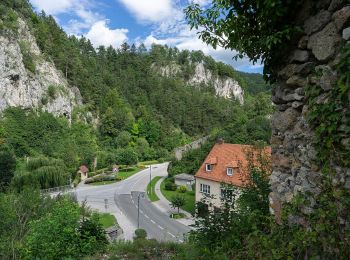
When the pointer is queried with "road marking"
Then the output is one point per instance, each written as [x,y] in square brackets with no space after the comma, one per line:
[146,216]
[153,221]
[141,211]
[171,234]
[181,241]
[160,227]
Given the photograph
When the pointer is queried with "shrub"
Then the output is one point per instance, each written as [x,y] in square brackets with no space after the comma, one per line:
[170,186]
[51,92]
[101,177]
[27,57]
[182,189]
[140,233]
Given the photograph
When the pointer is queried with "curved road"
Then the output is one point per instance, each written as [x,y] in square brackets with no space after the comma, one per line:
[120,199]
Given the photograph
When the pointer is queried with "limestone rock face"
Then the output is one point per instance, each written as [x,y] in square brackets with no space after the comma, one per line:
[21,87]
[224,86]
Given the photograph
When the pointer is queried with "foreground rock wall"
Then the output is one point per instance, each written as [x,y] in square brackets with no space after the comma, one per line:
[311,63]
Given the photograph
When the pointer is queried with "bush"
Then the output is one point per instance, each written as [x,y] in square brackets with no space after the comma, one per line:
[52,91]
[27,57]
[170,186]
[101,177]
[182,189]
[140,234]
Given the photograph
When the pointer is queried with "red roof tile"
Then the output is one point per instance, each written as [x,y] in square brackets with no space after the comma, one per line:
[227,155]
[83,169]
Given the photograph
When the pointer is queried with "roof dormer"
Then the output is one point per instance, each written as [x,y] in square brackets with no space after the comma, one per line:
[232,168]
[209,164]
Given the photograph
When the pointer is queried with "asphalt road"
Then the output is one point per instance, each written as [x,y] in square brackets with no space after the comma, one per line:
[121,199]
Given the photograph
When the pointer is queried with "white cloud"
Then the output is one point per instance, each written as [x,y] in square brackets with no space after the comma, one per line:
[83,19]
[100,34]
[52,7]
[200,2]
[150,10]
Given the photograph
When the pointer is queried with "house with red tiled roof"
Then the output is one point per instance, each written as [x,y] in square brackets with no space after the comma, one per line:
[225,164]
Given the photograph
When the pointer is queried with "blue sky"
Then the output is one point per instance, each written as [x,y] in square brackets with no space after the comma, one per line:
[111,22]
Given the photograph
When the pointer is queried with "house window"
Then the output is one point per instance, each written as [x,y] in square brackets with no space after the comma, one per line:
[226,195]
[208,167]
[204,188]
[229,171]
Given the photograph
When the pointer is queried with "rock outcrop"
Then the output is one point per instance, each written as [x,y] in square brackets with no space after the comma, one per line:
[312,63]
[224,86]
[43,87]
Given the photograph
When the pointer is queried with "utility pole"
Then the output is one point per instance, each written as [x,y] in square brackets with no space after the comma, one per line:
[150,178]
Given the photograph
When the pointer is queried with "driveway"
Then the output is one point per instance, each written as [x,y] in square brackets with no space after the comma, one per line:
[120,199]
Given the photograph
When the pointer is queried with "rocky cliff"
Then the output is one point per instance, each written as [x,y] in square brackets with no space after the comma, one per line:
[224,86]
[311,66]
[27,79]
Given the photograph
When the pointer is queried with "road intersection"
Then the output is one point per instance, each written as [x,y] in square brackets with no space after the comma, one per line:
[121,200]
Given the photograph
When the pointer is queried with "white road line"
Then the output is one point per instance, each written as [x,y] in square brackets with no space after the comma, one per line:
[160,227]
[153,221]
[141,211]
[146,216]
[181,241]
[171,234]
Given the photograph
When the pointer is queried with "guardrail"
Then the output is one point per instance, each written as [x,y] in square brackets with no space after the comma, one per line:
[57,189]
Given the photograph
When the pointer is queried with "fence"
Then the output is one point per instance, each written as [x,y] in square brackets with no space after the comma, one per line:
[57,189]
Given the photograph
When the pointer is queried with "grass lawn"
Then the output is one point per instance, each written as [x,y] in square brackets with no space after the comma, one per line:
[126,173]
[107,220]
[189,197]
[153,196]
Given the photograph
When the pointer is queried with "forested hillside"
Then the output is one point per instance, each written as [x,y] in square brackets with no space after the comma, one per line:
[129,109]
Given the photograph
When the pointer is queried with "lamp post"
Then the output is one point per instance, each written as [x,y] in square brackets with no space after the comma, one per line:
[150,178]
[141,194]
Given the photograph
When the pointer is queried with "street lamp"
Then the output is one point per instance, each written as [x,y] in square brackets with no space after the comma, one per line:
[141,194]
[150,178]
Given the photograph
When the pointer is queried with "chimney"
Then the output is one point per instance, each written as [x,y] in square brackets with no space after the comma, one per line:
[219,140]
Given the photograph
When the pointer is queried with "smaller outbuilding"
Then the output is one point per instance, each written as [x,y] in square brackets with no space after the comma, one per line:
[83,171]
[184,179]
[115,168]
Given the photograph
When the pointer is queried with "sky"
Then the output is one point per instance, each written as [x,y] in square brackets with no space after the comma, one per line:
[112,22]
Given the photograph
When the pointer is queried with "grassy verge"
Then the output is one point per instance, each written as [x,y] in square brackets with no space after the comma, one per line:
[107,220]
[189,197]
[177,215]
[146,163]
[102,182]
[151,187]
[126,173]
